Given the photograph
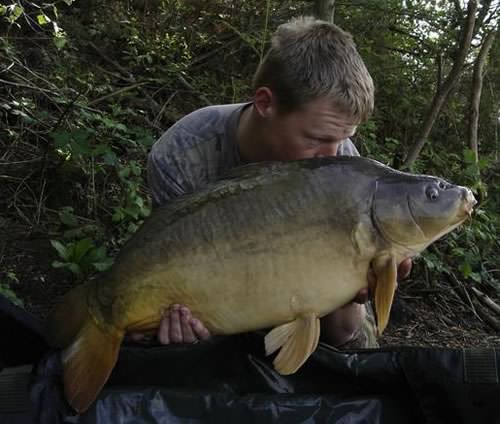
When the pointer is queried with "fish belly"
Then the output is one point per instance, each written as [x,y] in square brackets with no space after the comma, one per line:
[233,290]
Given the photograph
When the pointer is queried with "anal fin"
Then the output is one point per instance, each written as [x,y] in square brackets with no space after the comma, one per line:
[297,339]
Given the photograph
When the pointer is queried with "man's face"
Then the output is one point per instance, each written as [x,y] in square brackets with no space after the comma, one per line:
[316,130]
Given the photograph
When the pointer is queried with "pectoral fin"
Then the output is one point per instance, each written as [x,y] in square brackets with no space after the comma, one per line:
[385,269]
[297,340]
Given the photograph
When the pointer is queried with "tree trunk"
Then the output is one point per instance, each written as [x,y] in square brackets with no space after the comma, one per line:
[477,86]
[325,10]
[444,90]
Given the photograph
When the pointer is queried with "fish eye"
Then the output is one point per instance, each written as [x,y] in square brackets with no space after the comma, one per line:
[432,193]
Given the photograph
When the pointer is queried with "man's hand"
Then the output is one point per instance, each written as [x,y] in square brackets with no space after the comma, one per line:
[340,326]
[177,325]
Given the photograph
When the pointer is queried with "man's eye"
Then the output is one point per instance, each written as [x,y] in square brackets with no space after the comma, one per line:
[313,141]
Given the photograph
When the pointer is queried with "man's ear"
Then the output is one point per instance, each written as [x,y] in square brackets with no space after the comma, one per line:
[264,102]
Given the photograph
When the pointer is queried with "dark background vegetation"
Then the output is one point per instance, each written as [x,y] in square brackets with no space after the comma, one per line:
[86,87]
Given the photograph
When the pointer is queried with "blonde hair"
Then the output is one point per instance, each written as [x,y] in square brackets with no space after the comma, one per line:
[309,59]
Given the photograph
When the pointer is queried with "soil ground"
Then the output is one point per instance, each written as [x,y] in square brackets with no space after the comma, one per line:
[421,316]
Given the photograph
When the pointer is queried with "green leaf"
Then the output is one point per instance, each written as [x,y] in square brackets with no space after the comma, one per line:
[67,218]
[118,215]
[483,163]
[113,124]
[476,277]
[61,138]
[75,269]
[136,169]
[10,294]
[13,277]
[124,172]
[59,264]
[43,19]
[469,156]
[100,149]
[59,41]
[82,146]
[15,12]
[146,141]
[61,249]
[466,269]
[99,253]
[139,201]
[110,158]
[104,265]
[81,248]
[3,10]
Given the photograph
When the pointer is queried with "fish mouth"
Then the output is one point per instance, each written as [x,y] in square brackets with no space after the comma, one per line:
[466,207]
[469,201]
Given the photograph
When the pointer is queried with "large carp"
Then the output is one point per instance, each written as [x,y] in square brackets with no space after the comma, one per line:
[274,245]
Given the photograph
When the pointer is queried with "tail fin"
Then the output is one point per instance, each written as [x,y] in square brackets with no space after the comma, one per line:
[90,352]
[67,318]
[87,364]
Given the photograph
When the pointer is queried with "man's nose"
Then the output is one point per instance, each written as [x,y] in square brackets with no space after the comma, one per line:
[327,149]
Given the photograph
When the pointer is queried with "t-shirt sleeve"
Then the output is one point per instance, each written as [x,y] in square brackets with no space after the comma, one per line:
[347,148]
[192,152]
[162,181]
[173,166]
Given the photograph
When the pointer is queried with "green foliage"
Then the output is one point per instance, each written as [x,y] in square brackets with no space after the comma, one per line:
[44,16]
[81,257]
[472,251]
[132,206]
[82,106]
[6,286]
[77,250]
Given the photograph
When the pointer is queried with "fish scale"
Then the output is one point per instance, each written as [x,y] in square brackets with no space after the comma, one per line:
[273,245]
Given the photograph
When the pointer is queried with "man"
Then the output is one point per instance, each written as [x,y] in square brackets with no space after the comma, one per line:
[311,92]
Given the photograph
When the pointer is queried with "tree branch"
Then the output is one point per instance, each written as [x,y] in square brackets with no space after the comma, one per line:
[443,92]
[477,87]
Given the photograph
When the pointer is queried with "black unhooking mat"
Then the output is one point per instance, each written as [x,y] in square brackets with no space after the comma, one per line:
[229,380]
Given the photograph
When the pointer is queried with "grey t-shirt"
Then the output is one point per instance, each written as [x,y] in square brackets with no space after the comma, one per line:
[198,149]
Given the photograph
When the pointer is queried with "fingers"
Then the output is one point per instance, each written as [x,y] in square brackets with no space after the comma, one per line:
[199,329]
[187,332]
[164,329]
[404,269]
[136,337]
[362,296]
[179,326]
[175,335]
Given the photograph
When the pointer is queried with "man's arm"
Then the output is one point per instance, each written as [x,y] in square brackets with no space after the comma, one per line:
[344,324]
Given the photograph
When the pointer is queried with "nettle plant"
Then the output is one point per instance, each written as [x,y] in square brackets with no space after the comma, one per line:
[109,188]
